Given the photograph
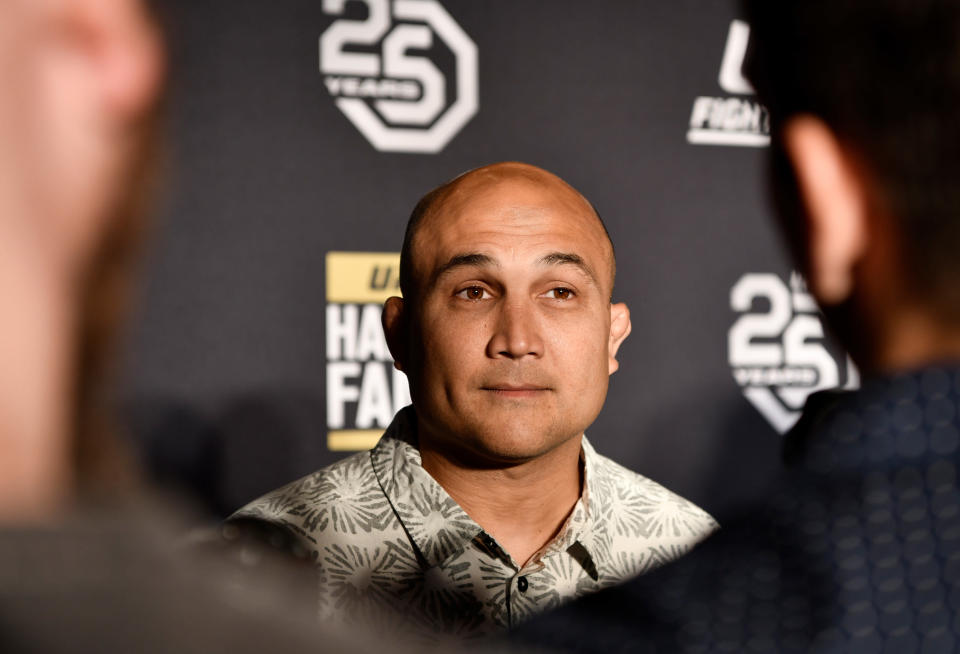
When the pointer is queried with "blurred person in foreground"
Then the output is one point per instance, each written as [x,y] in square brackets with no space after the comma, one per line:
[87,555]
[857,547]
[484,503]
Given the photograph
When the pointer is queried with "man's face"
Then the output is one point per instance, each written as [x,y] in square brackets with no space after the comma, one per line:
[510,341]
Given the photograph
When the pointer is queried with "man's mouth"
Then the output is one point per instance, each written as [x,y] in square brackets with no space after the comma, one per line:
[515,391]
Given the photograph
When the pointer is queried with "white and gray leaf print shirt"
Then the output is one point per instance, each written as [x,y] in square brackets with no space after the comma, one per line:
[395,553]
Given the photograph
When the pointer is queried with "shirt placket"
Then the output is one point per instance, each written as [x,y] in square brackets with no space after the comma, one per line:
[514,580]
[517,582]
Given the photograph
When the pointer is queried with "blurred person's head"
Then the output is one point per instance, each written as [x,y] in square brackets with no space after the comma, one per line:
[863,98]
[79,81]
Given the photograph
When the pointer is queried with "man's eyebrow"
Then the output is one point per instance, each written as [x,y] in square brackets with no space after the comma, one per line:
[568,258]
[475,259]
[464,260]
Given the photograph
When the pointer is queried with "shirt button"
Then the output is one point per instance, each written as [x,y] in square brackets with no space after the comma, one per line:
[522,584]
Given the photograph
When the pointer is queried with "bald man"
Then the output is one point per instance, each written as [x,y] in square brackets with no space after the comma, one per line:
[484,503]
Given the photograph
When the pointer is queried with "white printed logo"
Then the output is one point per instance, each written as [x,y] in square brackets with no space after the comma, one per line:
[731,68]
[731,120]
[399,100]
[779,356]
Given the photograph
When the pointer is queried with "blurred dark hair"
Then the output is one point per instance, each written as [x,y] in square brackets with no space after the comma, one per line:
[884,75]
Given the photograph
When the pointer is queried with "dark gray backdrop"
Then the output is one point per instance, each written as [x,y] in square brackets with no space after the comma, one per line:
[225,374]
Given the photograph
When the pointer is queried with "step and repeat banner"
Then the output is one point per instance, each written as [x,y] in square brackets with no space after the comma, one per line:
[301,134]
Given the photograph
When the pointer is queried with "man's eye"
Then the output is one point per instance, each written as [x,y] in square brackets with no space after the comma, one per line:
[559,293]
[473,293]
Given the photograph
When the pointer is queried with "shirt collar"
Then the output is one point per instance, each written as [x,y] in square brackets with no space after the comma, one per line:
[440,528]
[579,536]
[434,521]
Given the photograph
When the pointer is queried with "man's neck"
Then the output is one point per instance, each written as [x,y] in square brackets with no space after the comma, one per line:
[522,506]
[912,338]
[895,326]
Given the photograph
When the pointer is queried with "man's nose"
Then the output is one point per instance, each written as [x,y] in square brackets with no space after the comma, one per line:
[516,332]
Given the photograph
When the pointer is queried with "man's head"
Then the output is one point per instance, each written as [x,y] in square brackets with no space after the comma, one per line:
[79,84]
[863,98]
[506,330]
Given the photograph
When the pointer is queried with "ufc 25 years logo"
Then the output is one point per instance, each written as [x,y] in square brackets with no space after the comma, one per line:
[380,71]
[777,349]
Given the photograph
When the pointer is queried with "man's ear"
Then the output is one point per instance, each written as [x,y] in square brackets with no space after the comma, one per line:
[394,328]
[835,195]
[619,330]
[122,49]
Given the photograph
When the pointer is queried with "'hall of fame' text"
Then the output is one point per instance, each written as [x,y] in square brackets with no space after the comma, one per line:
[364,390]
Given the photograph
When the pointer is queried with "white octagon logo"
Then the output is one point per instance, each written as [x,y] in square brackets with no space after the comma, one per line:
[396,99]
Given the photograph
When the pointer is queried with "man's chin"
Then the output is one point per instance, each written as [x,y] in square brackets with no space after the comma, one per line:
[496,439]
[503,448]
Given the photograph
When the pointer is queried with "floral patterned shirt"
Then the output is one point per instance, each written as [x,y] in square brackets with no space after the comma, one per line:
[395,553]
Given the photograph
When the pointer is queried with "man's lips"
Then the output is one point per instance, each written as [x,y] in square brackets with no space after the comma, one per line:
[515,390]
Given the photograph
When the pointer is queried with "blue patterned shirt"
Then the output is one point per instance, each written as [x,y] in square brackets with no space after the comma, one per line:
[855,548]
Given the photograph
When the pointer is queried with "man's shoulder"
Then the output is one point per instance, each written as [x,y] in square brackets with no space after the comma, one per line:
[305,503]
[647,508]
